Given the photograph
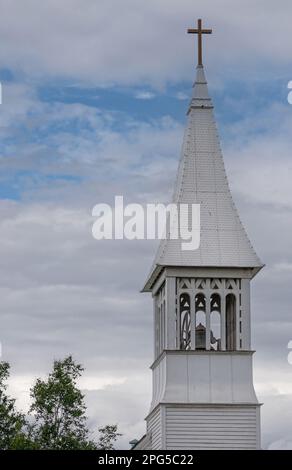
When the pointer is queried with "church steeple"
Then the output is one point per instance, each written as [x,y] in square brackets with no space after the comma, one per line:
[203,395]
[201,179]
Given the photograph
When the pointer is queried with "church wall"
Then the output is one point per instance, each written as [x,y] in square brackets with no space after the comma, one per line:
[211,427]
[154,429]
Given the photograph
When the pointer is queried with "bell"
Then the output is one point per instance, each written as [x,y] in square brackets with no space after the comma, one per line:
[200,337]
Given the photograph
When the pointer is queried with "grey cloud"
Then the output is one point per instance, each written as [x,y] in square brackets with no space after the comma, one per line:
[132,41]
[63,292]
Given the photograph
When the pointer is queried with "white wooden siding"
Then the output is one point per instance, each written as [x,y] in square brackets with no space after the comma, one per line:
[154,429]
[211,427]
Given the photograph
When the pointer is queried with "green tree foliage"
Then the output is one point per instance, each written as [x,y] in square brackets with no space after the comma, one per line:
[57,420]
[11,421]
[108,436]
[59,409]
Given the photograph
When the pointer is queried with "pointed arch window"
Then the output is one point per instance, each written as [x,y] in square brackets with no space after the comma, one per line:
[185,321]
[230,322]
[215,322]
[200,308]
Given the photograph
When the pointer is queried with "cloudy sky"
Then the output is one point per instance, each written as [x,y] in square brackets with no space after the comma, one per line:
[94,100]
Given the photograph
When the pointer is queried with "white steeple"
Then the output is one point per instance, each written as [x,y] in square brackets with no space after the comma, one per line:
[201,179]
[203,395]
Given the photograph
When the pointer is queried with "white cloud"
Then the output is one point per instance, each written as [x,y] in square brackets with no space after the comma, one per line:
[144,95]
[286,267]
[182,96]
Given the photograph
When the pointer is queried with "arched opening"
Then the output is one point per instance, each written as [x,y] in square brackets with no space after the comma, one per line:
[215,322]
[185,321]
[157,330]
[200,307]
[230,322]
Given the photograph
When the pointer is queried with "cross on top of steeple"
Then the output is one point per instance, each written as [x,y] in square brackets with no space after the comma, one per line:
[199,31]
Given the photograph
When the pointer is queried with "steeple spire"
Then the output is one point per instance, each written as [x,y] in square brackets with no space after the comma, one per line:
[200,94]
[201,179]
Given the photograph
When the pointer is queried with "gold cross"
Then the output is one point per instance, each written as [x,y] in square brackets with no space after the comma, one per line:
[199,31]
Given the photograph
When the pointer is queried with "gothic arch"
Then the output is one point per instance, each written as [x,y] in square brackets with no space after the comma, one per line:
[230,322]
[200,312]
[215,322]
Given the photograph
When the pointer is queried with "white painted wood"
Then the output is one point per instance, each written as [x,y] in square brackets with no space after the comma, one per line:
[238,335]
[154,429]
[170,313]
[245,313]
[158,282]
[199,272]
[155,327]
[225,427]
[203,377]
[258,428]
[223,321]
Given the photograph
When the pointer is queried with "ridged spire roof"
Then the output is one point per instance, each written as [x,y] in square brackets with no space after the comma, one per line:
[201,179]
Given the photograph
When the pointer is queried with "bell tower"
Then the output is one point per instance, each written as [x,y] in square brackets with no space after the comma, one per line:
[203,395]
